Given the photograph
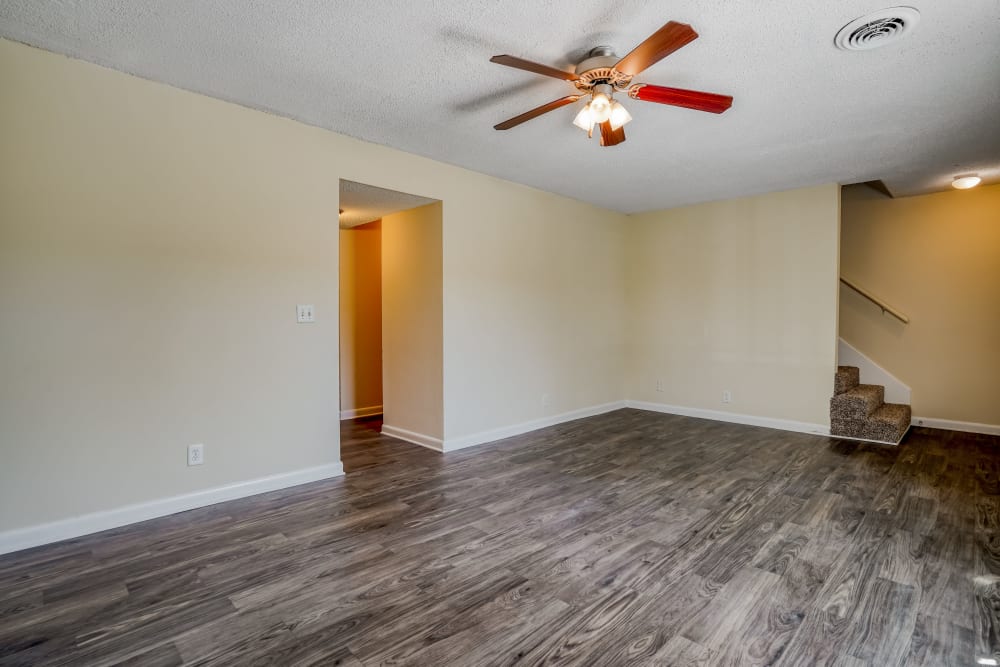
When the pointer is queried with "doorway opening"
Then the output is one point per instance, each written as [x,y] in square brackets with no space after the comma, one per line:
[391,379]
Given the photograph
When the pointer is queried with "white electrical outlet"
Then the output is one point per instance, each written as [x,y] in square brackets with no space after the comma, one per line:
[659,385]
[727,396]
[196,455]
[305,313]
[546,400]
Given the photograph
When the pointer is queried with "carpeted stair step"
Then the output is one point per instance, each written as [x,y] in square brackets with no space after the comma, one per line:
[847,377]
[857,402]
[848,428]
[859,410]
[888,423]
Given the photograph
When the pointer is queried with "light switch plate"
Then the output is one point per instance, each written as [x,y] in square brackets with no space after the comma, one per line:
[305,313]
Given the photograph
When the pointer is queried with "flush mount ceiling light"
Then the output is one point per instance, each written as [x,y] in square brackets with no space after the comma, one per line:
[965,182]
[877,29]
[602,73]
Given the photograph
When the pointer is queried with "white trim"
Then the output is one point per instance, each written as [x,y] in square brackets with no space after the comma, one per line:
[428,441]
[732,417]
[354,413]
[949,425]
[896,391]
[879,442]
[46,533]
[461,442]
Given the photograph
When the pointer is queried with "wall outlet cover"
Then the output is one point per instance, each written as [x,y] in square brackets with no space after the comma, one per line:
[196,454]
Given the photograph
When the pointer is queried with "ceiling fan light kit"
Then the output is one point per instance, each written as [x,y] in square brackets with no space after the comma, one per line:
[619,115]
[602,72]
[600,103]
[602,108]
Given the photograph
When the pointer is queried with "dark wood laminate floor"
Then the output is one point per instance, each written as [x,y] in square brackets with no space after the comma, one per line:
[631,538]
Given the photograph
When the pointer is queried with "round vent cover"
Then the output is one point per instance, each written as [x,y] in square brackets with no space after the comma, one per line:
[877,29]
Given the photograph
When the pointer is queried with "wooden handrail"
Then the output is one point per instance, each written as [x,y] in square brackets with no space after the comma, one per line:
[886,308]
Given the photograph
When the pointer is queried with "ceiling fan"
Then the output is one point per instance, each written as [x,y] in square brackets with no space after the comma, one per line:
[602,73]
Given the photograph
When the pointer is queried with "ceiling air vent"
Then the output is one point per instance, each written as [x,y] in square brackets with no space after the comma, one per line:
[877,29]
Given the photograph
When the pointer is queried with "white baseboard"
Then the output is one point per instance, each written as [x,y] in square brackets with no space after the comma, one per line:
[428,441]
[461,442]
[878,442]
[354,413]
[950,425]
[732,417]
[46,533]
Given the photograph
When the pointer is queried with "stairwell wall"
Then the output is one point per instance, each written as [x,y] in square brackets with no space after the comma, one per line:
[937,258]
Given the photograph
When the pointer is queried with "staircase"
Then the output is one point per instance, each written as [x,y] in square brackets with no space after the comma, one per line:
[859,411]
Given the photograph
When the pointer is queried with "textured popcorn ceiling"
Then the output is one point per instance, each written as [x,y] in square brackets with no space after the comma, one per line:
[417,76]
[362,203]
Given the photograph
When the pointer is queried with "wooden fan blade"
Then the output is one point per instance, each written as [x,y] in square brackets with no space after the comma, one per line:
[537,111]
[657,46]
[545,70]
[678,97]
[610,137]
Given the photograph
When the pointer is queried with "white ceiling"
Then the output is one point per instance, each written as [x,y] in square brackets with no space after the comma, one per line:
[417,76]
[362,203]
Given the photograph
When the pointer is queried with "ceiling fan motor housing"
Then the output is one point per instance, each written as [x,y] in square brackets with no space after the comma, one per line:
[601,57]
[599,67]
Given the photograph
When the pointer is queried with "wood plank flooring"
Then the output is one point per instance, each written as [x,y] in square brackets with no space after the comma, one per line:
[631,538]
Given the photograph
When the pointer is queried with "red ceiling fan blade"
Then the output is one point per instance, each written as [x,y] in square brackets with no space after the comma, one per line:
[537,111]
[678,97]
[610,137]
[545,70]
[657,46]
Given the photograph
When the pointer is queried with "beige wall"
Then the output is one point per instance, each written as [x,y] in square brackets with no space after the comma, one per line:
[534,307]
[361,319]
[153,247]
[936,258]
[154,244]
[412,340]
[738,295]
